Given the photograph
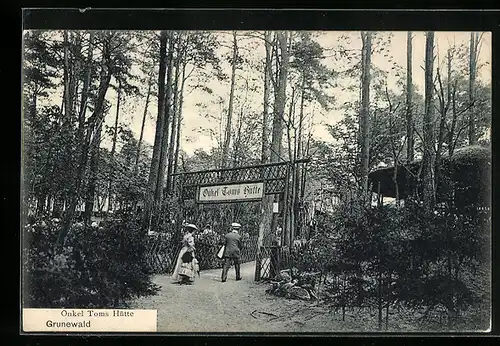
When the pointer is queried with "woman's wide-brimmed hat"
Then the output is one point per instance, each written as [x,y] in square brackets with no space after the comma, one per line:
[235,225]
[190,225]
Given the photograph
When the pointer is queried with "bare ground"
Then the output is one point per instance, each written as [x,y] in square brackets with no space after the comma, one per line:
[243,306]
[234,306]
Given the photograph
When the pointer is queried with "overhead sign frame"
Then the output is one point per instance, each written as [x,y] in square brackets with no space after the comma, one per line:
[273,175]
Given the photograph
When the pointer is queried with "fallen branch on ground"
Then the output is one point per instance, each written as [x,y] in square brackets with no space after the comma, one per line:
[265,313]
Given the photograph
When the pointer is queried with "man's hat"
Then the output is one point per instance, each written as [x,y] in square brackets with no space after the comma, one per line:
[190,225]
[235,225]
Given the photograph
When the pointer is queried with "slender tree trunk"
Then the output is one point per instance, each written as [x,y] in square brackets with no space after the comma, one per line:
[451,140]
[67,120]
[166,132]
[95,122]
[428,128]
[304,168]
[298,155]
[155,162]
[444,105]
[292,147]
[291,120]
[113,150]
[66,78]
[409,100]
[365,112]
[227,135]
[301,120]
[141,136]
[280,102]
[237,141]
[268,219]
[94,168]
[80,135]
[72,66]
[278,121]
[75,71]
[267,87]
[175,117]
[85,91]
[179,121]
[472,86]
[44,190]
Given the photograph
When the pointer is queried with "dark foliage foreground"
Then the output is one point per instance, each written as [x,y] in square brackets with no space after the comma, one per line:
[433,264]
[98,267]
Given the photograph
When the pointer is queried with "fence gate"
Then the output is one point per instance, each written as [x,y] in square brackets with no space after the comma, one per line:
[239,185]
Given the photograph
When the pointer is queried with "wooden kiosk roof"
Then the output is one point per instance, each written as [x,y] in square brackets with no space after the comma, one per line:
[469,168]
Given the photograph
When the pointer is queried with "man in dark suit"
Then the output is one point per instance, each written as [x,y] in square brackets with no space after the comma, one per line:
[232,251]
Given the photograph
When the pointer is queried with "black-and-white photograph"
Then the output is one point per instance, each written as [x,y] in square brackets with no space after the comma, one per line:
[259,181]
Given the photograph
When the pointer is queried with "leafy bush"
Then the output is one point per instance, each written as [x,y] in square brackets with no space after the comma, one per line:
[389,257]
[97,267]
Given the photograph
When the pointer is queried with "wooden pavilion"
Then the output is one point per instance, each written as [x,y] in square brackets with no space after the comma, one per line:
[466,175]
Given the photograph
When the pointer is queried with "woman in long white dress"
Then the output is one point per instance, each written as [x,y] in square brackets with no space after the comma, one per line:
[186,266]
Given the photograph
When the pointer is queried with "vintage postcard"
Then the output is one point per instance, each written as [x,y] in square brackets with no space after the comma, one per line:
[230,181]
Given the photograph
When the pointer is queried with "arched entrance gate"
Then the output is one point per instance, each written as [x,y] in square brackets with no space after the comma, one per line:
[246,184]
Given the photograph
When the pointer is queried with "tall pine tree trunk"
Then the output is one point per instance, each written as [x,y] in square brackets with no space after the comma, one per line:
[268,219]
[428,128]
[81,152]
[179,120]
[298,155]
[165,135]
[409,99]
[472,86]
[227,132]
[278,121]
[66,77]
[444,106]
[95,122]
[280,98]
[75,71]
[141,136]
[67,120]
[85,92]
[175,119]
[291,120]
[454,116]
[94,169]
[113,151]
[72,67]
[267,90]
[155,162]
[365,112]
[237,140]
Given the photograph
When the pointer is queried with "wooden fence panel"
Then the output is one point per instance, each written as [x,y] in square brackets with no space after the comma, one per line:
[162,252]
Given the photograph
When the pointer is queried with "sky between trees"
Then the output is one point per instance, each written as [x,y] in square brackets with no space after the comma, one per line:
[201,108]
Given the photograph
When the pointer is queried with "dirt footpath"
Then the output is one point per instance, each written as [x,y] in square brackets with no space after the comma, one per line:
[234,306]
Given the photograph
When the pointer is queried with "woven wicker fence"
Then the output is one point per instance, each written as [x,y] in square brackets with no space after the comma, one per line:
[163,251]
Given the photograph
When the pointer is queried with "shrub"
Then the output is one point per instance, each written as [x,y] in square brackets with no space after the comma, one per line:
[385,256]
[97,267]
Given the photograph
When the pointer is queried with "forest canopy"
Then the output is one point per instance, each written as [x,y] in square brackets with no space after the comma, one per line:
[91,107]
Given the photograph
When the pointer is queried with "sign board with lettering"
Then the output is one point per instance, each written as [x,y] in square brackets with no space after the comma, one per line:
[231,193]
